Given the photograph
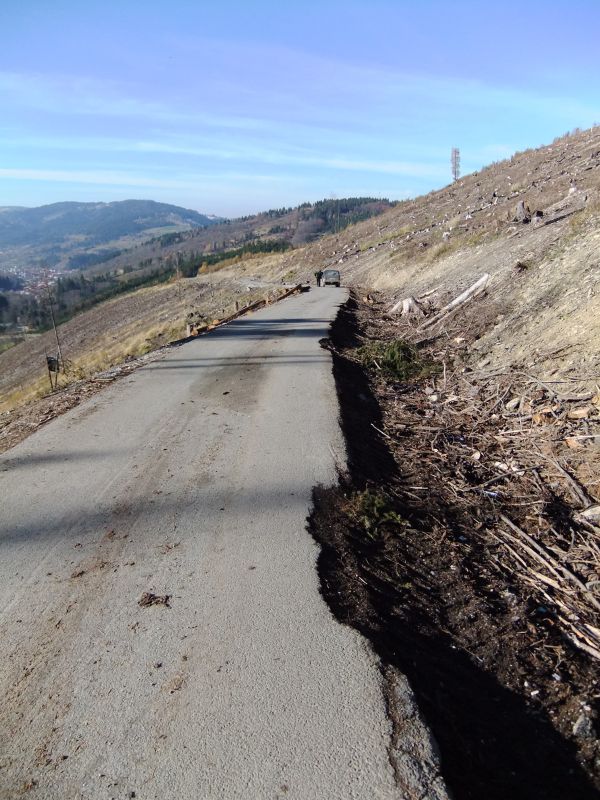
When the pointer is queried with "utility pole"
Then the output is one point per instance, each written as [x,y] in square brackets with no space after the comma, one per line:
[61,363]
[455,161]
[54,365]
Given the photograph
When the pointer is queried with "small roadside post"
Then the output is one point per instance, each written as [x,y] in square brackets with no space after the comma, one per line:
[53,364]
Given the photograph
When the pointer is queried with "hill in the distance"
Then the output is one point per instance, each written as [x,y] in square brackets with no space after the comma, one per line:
[95,223]
[278,226]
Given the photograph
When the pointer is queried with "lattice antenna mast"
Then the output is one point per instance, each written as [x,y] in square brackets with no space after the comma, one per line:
[455,161]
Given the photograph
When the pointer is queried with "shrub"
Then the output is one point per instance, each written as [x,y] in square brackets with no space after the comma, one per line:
[374,510]
[397,360]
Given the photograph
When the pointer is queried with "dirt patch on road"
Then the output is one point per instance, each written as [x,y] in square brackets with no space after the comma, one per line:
[455,547]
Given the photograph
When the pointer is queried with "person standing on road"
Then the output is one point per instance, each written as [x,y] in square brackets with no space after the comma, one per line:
[319,276]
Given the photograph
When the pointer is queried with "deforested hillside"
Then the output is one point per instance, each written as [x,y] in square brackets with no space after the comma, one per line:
[127,326]
[532,222]
[295,227]
[92,252]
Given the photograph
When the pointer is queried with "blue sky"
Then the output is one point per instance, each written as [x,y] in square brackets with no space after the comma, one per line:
[234,107]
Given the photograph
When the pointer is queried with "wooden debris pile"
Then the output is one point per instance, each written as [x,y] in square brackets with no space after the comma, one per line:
[514,458]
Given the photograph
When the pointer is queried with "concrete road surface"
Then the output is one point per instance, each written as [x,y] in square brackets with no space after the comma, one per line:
[190,478]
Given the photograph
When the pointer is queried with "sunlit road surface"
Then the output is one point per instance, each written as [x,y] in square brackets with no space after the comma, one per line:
[190,478]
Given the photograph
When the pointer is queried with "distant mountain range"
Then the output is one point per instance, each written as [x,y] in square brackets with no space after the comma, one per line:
[92,223]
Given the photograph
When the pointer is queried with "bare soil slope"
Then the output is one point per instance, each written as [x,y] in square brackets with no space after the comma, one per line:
[545,274]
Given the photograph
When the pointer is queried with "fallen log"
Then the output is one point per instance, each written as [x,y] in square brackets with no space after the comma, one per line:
[477,288]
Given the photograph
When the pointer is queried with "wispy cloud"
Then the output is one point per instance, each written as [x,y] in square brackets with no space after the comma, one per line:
[420,169]
[236,152]
[108,178]
[332,93]
[294,78]
[81,96]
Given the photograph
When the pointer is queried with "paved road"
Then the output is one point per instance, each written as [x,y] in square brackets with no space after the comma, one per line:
[190,478]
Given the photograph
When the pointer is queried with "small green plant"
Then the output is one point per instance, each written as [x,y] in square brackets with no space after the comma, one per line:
[374,510]
[397,360]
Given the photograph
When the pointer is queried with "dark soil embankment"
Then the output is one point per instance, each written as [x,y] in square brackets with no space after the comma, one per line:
[411,558]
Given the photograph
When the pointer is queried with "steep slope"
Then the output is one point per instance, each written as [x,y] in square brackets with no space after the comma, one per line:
[464,540]
[544,273]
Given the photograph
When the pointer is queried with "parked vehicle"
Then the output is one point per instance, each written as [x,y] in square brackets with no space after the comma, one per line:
[331,277]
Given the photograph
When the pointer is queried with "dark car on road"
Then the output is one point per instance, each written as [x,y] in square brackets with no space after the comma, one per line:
[331,277]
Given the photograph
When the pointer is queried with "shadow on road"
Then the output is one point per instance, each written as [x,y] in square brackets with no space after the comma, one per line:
[141,509]
[255,329]
[234,361]
[60,457]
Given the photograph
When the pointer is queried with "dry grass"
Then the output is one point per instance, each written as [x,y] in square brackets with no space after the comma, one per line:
[102,354]
[25,394]
[130,326]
